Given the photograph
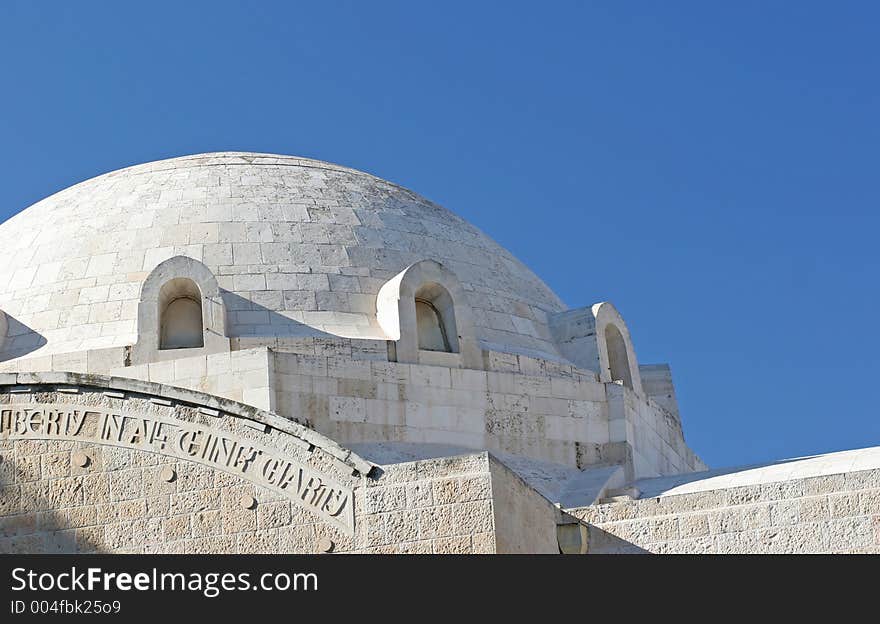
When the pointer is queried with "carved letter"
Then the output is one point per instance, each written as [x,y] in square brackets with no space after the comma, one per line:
[335,503]
[35,421]
[75,421]
[5,421]
[52,426]
[111,428]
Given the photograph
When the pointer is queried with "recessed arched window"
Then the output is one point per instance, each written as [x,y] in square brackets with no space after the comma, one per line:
[435,319]
[180,315]
[429,323]
[618,362]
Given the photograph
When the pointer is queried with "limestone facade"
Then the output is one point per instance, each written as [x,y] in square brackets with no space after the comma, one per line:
[834,513]
[128,467]
[298,408]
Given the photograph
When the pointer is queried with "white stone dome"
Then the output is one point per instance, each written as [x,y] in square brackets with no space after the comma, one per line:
[300,247]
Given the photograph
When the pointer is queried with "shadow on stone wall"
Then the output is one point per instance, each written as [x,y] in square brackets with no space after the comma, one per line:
[20,340]
[39,529]
[604,543]
[259,316]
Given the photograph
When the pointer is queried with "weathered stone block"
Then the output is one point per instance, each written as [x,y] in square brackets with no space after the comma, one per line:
[401,526]
[419,494]
[65,493]
[126,484]
[265,541]
[469,518]
[725,521]
[55,465]
[273,515]
[206,523]
[10,499]
[784,512]
[452,545]
[381,499]
[756,517]
[843,505]
[693,525]
[436,521]
[664,529]
[177,527]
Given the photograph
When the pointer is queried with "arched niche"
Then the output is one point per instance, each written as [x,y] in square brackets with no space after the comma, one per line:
[596,338]
[423,310]
[180,313]
[435,319]
[617,357]
[618,361]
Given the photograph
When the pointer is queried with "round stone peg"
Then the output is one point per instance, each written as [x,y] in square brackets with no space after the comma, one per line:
[325,544]
[80,459]
[248,502]
[168,474]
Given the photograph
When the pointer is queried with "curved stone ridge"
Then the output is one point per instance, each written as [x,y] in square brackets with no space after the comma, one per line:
[223,407]
[299,247]
[258,446]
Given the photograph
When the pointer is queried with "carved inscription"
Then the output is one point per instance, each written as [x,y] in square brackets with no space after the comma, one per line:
[220,450]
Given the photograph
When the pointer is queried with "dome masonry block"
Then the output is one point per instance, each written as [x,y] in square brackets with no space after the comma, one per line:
[286,265]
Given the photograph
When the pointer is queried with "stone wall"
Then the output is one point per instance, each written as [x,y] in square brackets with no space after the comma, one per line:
[135,467]
[349,391]
[432,506]
[525,522]
[530,409]
[244,376]
[121,503]
[654,435]
[838,513]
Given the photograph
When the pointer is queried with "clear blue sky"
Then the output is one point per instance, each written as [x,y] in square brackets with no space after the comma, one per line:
[710,167]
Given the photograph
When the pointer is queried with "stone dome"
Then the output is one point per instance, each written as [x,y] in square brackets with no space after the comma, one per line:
[299,247]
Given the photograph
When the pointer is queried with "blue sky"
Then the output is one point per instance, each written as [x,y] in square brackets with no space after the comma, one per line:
[710,167]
